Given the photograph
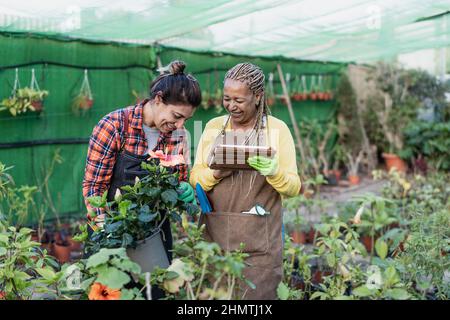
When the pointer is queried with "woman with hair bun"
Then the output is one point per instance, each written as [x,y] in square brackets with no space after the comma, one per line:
[124,138]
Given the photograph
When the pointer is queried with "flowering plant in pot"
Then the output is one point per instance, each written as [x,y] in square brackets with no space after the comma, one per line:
[24,100]
[109,275]
[135,215]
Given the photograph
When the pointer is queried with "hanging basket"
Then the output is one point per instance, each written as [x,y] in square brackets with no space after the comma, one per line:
[24,99]
[271,95]
[312,91]
[84,100]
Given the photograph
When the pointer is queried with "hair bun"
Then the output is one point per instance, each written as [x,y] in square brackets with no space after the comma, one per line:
[176,67]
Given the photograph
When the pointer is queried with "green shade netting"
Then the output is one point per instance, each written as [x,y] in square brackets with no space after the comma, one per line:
[345,30]
[115,71]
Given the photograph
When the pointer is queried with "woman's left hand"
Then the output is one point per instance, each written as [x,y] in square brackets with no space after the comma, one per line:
[188,195]
[265,166]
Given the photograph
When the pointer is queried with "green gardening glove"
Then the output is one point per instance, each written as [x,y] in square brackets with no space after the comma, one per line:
[265,166]
[187,195]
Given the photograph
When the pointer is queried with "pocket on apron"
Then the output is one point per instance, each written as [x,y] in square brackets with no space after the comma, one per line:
[230,229]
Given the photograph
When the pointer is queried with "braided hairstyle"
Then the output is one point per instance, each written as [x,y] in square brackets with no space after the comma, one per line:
[254,78]
[176,87]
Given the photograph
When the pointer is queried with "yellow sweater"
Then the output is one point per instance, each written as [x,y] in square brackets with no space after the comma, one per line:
[286,180]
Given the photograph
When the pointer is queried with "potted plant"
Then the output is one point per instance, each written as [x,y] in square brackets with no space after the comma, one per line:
[393,105]
[62,247]
[84,100]
[24,100]
[134,218]
[353,167]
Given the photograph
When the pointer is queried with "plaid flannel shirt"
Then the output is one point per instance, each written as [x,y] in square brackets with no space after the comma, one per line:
[106,141]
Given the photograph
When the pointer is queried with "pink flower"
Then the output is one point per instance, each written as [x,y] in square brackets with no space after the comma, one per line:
[167,160]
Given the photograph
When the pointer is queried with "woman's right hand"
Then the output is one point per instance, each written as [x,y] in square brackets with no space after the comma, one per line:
[220,174]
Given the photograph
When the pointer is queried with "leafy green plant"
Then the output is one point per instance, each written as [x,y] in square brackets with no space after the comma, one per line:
[136,213]
[338,245]
[374,215]
[431,140]
[15,202]
[384,284]
[297,277]
[26,272]
[202,271]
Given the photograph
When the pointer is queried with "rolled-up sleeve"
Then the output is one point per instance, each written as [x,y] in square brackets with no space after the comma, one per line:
[101,157]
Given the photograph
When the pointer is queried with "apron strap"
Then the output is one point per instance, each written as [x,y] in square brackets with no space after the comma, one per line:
[125,129]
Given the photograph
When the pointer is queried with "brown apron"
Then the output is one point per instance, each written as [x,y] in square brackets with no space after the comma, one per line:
[261,235]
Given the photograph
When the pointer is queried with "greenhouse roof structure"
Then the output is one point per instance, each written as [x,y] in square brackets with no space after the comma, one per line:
[344,30]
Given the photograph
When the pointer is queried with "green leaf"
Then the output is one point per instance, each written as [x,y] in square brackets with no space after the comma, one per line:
[123,207]
[283,291]
[362,291]
[128,265]
[46,273]
[113,227]
[127,239]
[103,256]
[398,294]
[3,238]
[170,197]
[331,260]
[147,216]
[113,278]
[381,248]
[3,251]
[96,201]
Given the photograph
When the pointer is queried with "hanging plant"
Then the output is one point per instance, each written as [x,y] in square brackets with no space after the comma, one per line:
[321,92]
[288,88]
[297,95]
[25,99]
[271,94]
[329,94]
[312,91]
[84,100]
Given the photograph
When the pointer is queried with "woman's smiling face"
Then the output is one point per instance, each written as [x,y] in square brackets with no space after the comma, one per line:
[169,117]
[239,101]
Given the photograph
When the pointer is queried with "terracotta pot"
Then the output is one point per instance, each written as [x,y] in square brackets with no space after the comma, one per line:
[47,246]
[394,161]
[297,97]
[320,95]
[270,101]
[87,104]
[367,242]
[313,96]
[338,174]
[74,245]
[316,277]
[298,237]
[311,235]
[37,105]
[353,179]
[61,251]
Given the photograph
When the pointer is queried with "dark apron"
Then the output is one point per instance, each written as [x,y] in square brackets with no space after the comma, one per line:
[126,168]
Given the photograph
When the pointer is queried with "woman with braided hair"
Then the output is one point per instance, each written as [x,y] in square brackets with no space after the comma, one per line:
[234,194]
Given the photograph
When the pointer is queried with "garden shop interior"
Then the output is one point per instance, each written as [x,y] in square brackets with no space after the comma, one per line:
[361,88]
